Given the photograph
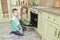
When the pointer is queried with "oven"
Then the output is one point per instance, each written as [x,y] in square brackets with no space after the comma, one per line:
[34,18]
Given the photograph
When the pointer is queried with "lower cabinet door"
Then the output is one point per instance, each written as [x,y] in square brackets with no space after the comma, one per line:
[59,39]
[40,23]
[58,36]
[0,11]
[50,31]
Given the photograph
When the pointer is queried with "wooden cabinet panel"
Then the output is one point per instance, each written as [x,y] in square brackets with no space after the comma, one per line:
[48,3]
[57,3]
[5,10]
[24,2]
[50,31]
[33,2]
[59,39]
[58,36]
[43,2]
[4,1]
[58,20]
[0,10]
[51,17]
[49,26]
[40,23]
[4,6]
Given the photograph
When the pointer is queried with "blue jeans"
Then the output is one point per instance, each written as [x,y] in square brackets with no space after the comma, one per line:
[18,33]
[24,28]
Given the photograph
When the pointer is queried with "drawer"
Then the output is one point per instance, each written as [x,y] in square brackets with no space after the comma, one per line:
[51,17]
[55,19]
[0,17]
[58,20]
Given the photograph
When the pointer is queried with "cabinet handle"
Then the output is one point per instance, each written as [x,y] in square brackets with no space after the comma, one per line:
[59,34]
[44,38]
[53,19]
[48,17]
[56,32]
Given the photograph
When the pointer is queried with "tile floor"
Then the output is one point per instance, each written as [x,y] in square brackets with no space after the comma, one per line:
[5,30]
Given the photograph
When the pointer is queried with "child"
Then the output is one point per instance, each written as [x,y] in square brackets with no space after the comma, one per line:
[24,15]
[15,24]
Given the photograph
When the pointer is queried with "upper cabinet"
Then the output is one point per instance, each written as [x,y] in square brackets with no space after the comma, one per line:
[15,2]
[33,2]
[25,2]
[48,3]
[5,14]
[19,2]
[5,8]
[57,3]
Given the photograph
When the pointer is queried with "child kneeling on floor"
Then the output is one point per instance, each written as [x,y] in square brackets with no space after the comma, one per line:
[15,24]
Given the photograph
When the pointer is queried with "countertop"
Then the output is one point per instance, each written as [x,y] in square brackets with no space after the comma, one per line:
[47,9]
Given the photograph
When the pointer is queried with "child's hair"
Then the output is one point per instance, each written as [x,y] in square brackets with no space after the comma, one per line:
[24,7]
[14,9]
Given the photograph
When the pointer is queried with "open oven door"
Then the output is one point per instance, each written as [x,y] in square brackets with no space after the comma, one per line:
[33,20]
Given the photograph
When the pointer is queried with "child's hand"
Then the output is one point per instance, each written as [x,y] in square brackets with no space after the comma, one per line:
[21,31]
[26,20]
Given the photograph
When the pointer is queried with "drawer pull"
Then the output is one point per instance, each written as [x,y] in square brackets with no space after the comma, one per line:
[59,34]
[48,17]
[56,32]
[53,19]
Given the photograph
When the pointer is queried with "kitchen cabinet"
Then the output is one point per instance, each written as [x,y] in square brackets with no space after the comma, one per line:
[59,29]
[33,2]
[48,3]
[16,2]
[51,27]
[59,35]
[51,31]
[0,10]
[24,2]
[5,10]
[43,2]
[48,25]
[37,2]
[30,2]
[40,23]
[52,17]
[58,20]
[57,3]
